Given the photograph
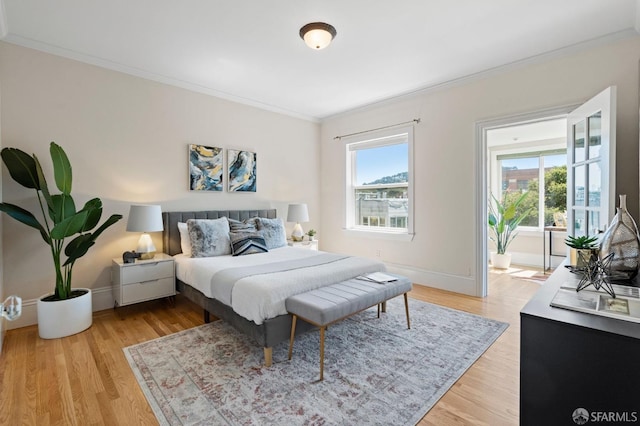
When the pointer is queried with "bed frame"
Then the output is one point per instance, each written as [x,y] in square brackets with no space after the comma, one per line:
[270,332]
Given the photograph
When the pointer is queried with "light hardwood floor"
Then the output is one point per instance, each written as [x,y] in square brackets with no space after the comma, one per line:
[86,380]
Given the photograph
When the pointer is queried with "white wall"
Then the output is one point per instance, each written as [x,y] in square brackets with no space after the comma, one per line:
[443,254]
[127,141]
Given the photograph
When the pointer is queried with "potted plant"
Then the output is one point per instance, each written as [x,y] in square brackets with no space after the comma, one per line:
[504,219]
[311,233]
[66,311]
[582,248]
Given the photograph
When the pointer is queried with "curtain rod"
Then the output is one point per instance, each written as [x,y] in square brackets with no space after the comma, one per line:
[415,120]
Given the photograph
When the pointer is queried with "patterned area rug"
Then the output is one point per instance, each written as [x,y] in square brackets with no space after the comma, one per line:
[376,370]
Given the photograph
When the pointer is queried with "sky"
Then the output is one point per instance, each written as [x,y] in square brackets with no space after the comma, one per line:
[375,163]
[532,162]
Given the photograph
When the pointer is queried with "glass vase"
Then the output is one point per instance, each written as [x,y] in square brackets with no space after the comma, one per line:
[621,239]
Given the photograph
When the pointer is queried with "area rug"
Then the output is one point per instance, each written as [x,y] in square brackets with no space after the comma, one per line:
[377,371]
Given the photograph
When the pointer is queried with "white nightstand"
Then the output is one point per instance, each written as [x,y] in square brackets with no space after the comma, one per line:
[311,245]
[143,280]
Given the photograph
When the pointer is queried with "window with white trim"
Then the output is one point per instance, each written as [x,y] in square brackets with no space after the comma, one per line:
[379,188]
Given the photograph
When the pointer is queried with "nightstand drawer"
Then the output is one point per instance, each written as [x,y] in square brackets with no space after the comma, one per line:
[146,272]
[148,290]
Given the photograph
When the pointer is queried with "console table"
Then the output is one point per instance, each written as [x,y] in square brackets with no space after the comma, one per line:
[571,360]
[550,254]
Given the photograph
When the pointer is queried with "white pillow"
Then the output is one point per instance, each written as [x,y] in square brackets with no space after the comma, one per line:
[185,240]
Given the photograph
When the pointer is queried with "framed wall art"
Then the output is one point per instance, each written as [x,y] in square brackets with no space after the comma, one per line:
[241,170]
[205,168]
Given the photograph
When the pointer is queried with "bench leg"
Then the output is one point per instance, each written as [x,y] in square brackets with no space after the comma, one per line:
[379,305]
[322,353]
[293,333]
[406,308]
[268,357]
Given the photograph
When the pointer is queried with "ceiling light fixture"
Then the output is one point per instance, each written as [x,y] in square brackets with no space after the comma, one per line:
[317,35]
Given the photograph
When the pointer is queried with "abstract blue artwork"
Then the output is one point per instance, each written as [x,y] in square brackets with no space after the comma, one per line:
[242,171]
[205,168]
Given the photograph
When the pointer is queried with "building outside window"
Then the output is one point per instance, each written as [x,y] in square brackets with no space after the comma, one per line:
[379,182]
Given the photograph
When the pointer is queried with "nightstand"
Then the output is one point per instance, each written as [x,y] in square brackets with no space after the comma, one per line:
[143,280]
[311,245]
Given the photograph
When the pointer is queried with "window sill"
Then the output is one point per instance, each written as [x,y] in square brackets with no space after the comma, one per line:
[380,235]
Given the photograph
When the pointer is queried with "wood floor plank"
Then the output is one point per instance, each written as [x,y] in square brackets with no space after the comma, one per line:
[85,379]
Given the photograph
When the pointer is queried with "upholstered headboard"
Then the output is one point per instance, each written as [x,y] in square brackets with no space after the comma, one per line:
[171,235]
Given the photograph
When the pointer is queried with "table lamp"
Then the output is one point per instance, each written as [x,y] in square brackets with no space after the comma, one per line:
[145,219]
[297,213]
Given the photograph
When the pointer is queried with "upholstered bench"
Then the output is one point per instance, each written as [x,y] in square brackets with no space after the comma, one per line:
[327,305]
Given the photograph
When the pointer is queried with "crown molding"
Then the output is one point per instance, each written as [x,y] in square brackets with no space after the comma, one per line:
[4,27]
[148,75]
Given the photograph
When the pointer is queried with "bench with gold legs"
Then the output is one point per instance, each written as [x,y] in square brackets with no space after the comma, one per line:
[327,305]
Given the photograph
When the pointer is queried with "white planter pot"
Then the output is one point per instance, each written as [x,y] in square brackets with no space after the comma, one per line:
[501,261]
[63,318]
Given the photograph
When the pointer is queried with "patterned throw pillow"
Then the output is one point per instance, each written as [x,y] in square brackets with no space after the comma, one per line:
[247,225]
[273,231]
[247,243]
[209,237]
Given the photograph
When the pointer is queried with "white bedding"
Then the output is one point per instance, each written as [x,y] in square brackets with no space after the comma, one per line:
[260,297]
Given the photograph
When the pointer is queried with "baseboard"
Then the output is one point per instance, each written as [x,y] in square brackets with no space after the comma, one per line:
[102,298]
[464,285]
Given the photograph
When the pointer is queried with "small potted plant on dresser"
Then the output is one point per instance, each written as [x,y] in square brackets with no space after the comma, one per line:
[504,219]
[582,248]
[311,233]
[66,311]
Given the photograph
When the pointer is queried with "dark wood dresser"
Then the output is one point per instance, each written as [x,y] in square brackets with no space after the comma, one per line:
[571,360]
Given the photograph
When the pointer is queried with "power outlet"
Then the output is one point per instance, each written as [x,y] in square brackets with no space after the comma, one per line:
[377,252]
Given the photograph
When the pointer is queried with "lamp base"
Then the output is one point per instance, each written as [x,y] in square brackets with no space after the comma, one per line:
[297,234]
[147,255]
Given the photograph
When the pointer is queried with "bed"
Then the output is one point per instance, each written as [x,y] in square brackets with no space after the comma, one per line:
[267,332]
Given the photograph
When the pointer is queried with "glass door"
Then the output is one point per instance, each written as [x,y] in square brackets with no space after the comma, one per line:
[591,164]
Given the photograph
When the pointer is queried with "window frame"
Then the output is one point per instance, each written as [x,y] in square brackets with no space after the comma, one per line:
[373,139]
[539,150]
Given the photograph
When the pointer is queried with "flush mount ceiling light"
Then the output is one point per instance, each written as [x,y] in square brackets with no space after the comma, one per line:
[317,35]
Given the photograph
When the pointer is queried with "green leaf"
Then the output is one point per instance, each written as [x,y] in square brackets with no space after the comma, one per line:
[62,207]
[93,208]
[26,217]
[61,168]
[78,247]
[21,166]
[69,226]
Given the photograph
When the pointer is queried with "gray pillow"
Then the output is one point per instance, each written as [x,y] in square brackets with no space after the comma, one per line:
[209,237]
[273,231]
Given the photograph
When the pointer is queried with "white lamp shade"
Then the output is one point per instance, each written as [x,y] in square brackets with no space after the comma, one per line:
[298,213]
[143,218]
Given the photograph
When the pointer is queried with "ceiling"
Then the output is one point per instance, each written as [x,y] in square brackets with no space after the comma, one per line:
[250,51]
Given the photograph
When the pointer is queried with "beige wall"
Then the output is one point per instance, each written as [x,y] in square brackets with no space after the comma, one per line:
[127,141]
[443,252]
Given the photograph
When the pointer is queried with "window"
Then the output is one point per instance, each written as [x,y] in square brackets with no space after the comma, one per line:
[379,182]
[524,172]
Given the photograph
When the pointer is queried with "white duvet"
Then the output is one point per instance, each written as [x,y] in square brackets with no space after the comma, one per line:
[260,297]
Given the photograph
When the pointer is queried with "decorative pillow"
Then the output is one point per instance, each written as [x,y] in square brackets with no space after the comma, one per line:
[273,231]
[247,243]
[209,237]
[185,240]
[247,225]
